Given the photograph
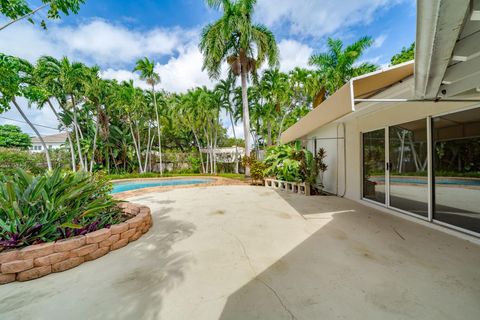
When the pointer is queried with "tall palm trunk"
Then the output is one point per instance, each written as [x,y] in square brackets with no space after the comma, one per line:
[199,149]
[92,160]
[47,155]
[246,117]
[158,130]
[136,148]
[69,138]
[77,135]
[235,138]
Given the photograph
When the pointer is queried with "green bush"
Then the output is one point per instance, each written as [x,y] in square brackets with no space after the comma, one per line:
[54,205]
[289,163]
[11,159]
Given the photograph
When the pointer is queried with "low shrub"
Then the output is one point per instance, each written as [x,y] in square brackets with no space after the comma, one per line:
[52,206]
[11,159]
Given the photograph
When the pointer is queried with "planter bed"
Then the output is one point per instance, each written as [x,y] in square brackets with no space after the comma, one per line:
[38,260]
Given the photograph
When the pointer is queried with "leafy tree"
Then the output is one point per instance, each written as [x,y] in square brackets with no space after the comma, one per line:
[338,65]
[17,10]
[405,55]
[245,46]
[13,137]
[17,81]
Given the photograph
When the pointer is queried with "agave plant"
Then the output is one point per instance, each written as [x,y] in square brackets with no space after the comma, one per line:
[55,205]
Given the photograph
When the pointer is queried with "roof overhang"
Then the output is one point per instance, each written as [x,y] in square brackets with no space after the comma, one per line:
[447,49]
[342,102]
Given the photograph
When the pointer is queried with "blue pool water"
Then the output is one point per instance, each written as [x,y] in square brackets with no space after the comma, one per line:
[444,181]
[133,185]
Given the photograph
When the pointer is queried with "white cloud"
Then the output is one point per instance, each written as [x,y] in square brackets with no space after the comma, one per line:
[96,41]
[185,71]
[378,41]
[293,54]
[318,18]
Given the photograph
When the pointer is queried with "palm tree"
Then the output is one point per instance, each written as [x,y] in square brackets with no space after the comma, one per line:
[338,65]
[245,46]
[225,89]
[146,68]
[64,80]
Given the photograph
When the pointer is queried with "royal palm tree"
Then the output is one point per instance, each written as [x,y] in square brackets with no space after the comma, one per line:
[245,46]
[146,68]
[338,65]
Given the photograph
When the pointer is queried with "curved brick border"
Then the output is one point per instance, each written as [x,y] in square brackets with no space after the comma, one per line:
[41,259]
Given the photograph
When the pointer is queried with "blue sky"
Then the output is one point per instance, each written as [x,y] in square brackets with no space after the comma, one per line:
[114,33]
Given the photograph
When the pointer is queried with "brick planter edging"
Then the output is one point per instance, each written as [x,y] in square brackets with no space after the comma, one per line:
[38,260]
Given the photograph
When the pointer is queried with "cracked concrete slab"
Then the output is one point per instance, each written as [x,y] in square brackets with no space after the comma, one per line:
[242,252]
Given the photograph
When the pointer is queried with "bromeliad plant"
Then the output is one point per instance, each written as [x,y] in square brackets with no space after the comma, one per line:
[52,206]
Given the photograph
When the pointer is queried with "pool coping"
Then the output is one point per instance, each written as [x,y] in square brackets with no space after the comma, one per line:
[216,181]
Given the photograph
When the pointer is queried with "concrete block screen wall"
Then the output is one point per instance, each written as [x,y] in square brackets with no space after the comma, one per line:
[39,260]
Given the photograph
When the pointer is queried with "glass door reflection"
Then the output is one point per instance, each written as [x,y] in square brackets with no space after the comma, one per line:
[374,165]
[408,167]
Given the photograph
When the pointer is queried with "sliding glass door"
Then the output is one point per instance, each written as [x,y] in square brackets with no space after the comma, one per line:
[456,167]
[408,167]
[374,166]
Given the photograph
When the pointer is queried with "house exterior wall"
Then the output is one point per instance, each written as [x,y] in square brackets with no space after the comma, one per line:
[386,116]
[330,137]
[37,147]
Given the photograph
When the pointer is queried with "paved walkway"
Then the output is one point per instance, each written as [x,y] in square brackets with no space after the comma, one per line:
[241,252]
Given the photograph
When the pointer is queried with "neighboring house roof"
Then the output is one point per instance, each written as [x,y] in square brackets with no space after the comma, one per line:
[447,49]
[54,138]
[342,101]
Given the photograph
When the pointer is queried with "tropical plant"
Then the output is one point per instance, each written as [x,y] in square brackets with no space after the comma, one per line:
[289,162]
[52,206]
[12,137]
[245,46]
[12,159]
[338,65]
[407,54]
[17,10]
[318,168]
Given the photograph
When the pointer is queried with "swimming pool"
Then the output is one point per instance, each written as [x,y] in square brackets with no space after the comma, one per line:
[438,181]
[140,184]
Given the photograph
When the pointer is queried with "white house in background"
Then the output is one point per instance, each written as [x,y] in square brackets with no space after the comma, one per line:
[406,139]
[54,141]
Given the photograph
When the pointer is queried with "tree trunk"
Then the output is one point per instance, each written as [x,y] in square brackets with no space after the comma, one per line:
[47,155]
[92,160]
[158,128]
[246,118]
[77,135]
[236,147]
[199,150]
[136,149]
[148,148]
[70,142]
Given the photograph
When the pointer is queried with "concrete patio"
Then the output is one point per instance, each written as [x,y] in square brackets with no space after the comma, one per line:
[241,252]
